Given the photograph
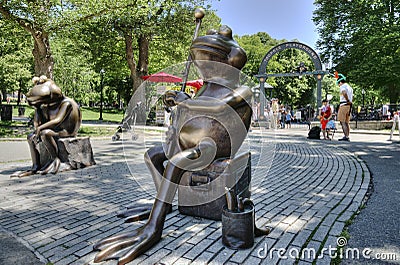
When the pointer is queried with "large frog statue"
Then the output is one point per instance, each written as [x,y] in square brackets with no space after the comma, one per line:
[56,116]
[211,125]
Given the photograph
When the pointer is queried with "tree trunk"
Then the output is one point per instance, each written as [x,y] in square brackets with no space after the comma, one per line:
[19,96]
[41,52]
[130,58]
[143,62]
[394,94]
[141,68]
[43,58]
[3,95]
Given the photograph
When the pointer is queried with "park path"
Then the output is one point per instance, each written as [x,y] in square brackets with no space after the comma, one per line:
[303,190]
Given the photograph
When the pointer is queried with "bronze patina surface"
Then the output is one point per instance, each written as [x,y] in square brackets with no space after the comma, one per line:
[209,126]
[56,116]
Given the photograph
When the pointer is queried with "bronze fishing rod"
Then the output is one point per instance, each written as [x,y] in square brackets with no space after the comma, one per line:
[198,14]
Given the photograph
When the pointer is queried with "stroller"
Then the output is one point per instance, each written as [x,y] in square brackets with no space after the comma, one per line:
[126,125]
[330,129]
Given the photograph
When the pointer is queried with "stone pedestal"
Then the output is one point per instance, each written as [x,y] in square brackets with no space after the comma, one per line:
[74,153]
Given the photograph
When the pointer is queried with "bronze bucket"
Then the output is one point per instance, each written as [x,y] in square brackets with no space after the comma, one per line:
[238,227]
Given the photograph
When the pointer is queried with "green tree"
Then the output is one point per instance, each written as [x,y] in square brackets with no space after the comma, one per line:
[362,39]
[154,34]
[73,69]
[256,46]
[15,59]
[35,17]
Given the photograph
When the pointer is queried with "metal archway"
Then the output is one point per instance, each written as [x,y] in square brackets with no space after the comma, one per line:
[318,73]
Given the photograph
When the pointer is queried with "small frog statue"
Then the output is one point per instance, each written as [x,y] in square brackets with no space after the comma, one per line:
[56,116]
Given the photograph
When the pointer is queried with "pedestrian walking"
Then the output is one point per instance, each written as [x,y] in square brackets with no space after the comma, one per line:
[396,120]
[282,114]
[288,120]
[346,100]
[275,110]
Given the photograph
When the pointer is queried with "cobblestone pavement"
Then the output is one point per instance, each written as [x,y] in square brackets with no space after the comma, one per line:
[303,190]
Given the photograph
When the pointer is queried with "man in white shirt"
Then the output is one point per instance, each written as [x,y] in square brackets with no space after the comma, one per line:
[275,111]
[346,100]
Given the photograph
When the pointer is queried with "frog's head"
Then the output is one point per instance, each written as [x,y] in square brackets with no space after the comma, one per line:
[219,47]
[44,92]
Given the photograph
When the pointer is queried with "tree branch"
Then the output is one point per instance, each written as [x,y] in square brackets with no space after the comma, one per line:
[97,14]
[24,23]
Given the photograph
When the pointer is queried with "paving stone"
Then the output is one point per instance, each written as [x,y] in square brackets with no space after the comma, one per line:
[321,233]
[204,258]
[296,226]
[154,258]
[337,228]
[201,235]
[176,254]
[278,230]
[84,251]
[198,249]
[216,247]
[284,240]
[67,260]
[309,253]
[301,237]
[252,261]
[241,255]
[57,243]
[41,243]
[217,234]
[183,261]
[223,256]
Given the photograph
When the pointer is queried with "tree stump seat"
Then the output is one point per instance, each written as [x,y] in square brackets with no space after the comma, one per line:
[74,153]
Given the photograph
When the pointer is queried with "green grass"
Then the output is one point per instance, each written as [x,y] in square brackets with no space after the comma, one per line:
[14,129]
[338,259]
[109,115]
[28,109]
[96,131]
[17,129]
[88,114]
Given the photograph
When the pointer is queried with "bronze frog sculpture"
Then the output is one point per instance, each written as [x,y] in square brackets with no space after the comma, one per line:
[211,125]
[56,116]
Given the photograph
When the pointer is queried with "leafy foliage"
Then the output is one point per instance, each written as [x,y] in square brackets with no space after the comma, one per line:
[362,39]
[15,59]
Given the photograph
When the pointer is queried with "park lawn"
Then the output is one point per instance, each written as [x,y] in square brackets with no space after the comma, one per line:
[17,129]
[20,129]
[14,129]
[109,115]
[88,114]
[96,131]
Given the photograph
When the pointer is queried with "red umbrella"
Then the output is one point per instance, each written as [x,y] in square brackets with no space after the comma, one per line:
[195,83]
[162,77]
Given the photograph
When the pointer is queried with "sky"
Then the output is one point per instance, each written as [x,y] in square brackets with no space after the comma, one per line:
[281,19]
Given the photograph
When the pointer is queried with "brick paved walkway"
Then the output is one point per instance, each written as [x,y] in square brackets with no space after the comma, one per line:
[304,192]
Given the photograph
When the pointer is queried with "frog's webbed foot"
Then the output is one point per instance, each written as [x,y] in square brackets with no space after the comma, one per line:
[134,213]
[261,231]
[21,174]
[30,172]
[126,247]
[51,167]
